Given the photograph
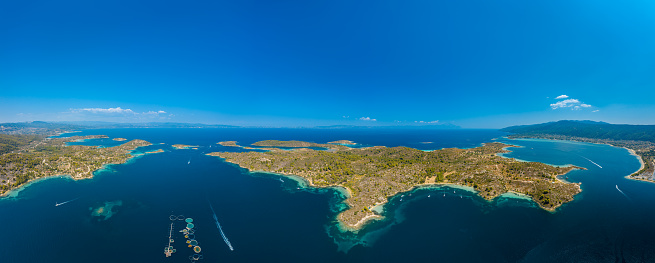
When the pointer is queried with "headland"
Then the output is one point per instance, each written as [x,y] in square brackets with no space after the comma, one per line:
[373,175]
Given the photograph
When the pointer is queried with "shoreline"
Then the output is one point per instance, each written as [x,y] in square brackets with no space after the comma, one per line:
[641,161]
[378,208]
[13,193]
[631,151]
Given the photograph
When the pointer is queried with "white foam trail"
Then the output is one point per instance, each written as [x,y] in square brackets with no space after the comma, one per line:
[58,204]
[626,196]
[592,161]
[218,225]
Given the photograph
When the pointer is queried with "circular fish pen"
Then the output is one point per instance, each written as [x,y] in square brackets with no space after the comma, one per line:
[178,217]
[195,257]
[189,234]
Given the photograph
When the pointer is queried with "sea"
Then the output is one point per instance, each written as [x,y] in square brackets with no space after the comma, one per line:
[123,214]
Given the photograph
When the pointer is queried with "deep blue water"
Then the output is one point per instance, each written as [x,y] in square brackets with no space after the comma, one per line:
[267,220]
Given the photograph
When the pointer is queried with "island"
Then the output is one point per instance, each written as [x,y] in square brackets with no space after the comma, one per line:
[229,143]
[120,139]
[184,146]
[297,144]
[155,151]
[43,157]
[373,175]
[344,142]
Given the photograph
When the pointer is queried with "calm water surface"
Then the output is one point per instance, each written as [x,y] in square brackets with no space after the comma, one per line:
[268,220]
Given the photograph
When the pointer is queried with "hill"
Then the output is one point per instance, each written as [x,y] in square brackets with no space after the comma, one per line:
[588,129]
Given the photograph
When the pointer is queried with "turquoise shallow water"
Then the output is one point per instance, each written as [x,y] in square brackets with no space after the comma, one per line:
[268,219]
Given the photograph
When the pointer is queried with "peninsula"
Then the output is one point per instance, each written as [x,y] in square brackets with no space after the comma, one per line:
[53,156]
[372,175]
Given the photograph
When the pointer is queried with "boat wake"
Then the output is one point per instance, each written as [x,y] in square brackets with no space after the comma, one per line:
[218,225]
[592,162]
[63,203]
[626,196]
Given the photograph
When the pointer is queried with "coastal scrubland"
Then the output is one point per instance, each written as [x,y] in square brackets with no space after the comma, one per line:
[373,175]
[52,156]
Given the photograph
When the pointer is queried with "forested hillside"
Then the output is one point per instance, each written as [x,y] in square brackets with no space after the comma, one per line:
[588,129]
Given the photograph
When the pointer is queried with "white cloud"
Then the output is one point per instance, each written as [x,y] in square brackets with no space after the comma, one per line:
[561,97]
[118,110]
[120,114]
[428,122]
[574,104]
[367,119]
[154,112]
[595,111]
[565,103]
[115,111]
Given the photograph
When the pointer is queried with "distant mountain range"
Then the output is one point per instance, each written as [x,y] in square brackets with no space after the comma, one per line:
[418,126]
[99,124]
[48,128]
[588,129]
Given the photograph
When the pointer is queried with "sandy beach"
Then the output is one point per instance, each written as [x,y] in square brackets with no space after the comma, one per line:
[632,152]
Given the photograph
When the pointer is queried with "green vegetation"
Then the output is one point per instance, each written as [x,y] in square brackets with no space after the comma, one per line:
[184,146]
[9,143]
[296,144]
[588,129]
[49,157]
[638,138]
[374,174]
[36,127]
[229,143]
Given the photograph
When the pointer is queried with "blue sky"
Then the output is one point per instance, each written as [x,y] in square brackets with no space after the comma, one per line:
[473,63]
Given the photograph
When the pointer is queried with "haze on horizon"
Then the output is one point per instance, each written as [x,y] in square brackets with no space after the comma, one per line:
[475,64]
